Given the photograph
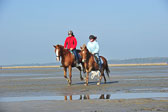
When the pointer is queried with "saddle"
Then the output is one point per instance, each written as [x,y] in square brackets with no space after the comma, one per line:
[79,56]
[97,60]
[71,52]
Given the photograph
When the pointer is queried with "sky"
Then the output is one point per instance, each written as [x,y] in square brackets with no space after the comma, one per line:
[125,28]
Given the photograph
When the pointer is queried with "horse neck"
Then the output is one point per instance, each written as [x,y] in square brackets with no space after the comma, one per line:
[89,56]
[63,52]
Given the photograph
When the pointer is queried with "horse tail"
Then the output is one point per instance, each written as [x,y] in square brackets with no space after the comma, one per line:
[106,66]
[107,69]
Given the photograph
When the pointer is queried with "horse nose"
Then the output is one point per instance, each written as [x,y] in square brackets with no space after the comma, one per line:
[57,58]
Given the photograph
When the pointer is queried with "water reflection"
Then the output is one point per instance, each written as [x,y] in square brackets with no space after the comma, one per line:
[66,97]
[105,96]
[87,97]
[84,97]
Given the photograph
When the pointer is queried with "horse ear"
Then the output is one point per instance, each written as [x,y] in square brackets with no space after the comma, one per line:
[54,46]
[84,46]
[80,47]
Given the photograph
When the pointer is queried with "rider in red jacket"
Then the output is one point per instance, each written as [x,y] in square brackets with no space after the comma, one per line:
[71,43]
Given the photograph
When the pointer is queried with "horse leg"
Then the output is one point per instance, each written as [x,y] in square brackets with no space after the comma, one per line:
[70,75]
[70,97]
[65,74]
[65,97]
[87,79]
[84,70]
[102,74]
[81,78]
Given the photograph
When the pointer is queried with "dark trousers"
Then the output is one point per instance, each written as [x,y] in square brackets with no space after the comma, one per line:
[76,55]
[98,60]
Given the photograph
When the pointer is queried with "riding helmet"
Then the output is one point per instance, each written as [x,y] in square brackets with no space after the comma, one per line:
[70,32]
[92,37]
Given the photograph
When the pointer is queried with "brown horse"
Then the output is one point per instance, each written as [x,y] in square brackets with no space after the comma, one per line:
[68,61]
[91,65]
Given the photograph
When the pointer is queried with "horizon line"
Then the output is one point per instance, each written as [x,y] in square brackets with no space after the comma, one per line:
[110,65]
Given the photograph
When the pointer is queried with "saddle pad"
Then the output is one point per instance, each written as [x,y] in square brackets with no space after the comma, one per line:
[100,60]
[79,56]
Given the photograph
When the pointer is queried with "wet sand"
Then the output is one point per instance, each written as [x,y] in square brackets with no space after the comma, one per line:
[79,98]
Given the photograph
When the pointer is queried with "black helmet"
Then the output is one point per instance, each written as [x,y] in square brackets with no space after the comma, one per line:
[92,37]
[70,32]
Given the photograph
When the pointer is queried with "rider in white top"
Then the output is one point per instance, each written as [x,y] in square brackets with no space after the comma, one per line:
[93,47]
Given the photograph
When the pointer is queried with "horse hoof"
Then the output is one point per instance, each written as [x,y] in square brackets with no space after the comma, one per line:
[98,83]
[86,84]
[67,80]
[81,78]
[69,84]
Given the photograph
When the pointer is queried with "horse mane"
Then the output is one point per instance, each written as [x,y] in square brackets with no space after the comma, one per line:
[61,46]
[89,54]
[64,51]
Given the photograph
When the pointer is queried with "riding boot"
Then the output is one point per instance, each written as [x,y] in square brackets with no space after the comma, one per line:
[100,67]
[100,64]
[98,61]
[76,57]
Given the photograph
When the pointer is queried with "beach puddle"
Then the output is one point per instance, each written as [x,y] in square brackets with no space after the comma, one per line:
[20,74]
[87,97]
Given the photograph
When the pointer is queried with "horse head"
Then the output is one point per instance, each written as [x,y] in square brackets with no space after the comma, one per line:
[57,51]
[84,52]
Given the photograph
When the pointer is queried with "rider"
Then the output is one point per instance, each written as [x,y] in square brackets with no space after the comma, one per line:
[70,44]
[93,47]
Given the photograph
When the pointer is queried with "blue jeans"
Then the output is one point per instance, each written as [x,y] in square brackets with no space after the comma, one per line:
[76,55]
[99,60]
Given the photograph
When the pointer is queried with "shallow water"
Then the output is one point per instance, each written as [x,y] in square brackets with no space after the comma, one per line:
[49,84]
[87,97]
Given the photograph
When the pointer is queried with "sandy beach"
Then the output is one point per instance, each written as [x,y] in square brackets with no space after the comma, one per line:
[129,89]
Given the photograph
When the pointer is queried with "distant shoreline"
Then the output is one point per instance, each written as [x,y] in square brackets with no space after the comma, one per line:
[110,65]
[141,64]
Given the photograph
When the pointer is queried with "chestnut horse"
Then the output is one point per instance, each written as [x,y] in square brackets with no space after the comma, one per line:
[91,65]
[68,61]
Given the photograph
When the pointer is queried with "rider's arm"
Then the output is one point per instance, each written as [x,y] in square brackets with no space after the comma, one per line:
[74,43]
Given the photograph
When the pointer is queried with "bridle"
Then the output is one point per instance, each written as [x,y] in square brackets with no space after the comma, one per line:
[82,52]
[57,56]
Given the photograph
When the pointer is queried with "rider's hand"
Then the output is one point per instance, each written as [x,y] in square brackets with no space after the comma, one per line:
[71,49]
